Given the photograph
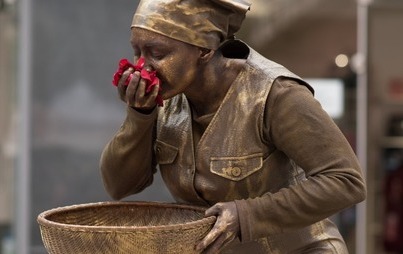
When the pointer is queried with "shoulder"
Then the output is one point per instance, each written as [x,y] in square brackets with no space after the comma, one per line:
[290,87]
[290,96]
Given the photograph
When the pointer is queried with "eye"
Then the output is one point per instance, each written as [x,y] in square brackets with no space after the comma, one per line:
[157,54]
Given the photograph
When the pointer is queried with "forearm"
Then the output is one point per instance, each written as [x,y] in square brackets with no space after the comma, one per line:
[127,160]
[298,206]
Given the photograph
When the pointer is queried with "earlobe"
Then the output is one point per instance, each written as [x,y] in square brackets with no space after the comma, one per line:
[206,55]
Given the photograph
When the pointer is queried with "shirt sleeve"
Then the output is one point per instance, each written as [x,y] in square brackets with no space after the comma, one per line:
[127,162]
[298,126]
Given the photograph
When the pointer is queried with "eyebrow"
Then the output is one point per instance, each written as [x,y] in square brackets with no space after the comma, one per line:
[149,44]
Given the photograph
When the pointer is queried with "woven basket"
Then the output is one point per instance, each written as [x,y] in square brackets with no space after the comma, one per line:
[124,227]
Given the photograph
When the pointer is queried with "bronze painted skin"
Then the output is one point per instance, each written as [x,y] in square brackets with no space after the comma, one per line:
[237,132]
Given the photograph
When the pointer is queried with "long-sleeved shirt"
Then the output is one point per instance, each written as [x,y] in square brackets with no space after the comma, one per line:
[270,147]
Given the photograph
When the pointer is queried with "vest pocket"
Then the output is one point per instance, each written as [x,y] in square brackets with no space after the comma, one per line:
[165,153]
[236,168]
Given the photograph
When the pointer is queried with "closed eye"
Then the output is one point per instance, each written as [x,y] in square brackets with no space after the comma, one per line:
[157,53]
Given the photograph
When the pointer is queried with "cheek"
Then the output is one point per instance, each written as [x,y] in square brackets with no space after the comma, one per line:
[179,73]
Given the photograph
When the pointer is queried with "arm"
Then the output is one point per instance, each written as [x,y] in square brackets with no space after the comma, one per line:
[297,125]
[126,163]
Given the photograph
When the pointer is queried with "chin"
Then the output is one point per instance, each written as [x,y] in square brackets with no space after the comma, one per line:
[167,94]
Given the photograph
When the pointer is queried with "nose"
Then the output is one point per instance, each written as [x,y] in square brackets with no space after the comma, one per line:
[142,62]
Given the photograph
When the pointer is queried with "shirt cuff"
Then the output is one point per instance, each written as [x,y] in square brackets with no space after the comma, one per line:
[244,221]
[134,115]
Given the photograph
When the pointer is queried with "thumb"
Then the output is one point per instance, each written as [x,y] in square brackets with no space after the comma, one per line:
[215,210]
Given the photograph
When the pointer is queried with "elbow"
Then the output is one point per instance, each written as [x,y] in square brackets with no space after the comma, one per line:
[361,188]
[116,194]
[115,184]
[361,192]
[118,191]
[120,179]
[114,190]
[120,188]
[357,191]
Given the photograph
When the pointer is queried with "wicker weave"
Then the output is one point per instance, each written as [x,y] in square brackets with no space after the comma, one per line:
[124,227]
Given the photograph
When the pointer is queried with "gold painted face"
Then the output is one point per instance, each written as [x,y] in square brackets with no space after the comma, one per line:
[176,62]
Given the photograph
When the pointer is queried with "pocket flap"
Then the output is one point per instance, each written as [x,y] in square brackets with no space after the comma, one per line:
[236,168]
[165,153]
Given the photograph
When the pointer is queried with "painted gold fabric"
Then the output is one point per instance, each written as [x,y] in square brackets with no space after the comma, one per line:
[270,147]
[203,23]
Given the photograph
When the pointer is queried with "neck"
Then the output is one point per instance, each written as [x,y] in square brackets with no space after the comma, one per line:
[216,77]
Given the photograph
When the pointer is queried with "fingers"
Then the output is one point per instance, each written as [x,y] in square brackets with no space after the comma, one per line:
[153,95]
[215,241]
[143,100]
[216,231]
[122,85]
[219,243]
[210,237]
[134,91]
[225,230]
[215,210]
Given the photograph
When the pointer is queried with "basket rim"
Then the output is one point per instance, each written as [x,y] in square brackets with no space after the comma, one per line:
[44,222]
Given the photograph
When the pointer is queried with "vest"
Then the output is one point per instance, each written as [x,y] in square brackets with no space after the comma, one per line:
[232,159]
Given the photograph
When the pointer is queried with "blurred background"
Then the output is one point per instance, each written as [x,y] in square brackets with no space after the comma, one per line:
[58,108]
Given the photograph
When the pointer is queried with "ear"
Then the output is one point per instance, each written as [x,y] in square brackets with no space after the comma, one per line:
[206,55]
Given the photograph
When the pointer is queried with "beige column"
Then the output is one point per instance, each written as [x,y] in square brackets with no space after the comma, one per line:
[8,56]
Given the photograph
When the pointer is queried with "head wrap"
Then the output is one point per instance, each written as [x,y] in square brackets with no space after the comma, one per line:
[203,23]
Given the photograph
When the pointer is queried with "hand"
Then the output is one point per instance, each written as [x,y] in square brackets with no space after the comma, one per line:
[134,93]
[225,230]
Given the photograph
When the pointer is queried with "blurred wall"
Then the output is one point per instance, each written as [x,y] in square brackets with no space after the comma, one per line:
[305,36]
[385,127]
[7,118]
[75,109]
[7,37]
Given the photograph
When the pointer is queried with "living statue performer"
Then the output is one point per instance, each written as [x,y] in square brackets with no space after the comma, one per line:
[237,133]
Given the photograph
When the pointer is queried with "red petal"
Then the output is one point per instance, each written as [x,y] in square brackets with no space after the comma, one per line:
[116,78]
[140,64]
[151,77]
[124,64]
[145,75]
[155,81]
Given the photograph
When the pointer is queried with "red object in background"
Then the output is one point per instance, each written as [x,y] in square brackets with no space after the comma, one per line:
[393,222]
[149,76]
[395,88]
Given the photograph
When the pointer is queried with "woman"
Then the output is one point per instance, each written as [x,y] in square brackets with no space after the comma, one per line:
[237,132]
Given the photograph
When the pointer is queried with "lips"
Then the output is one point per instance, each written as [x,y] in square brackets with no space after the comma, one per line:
[149,76]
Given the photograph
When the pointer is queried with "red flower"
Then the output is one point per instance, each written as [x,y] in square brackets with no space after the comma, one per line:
[149,76]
